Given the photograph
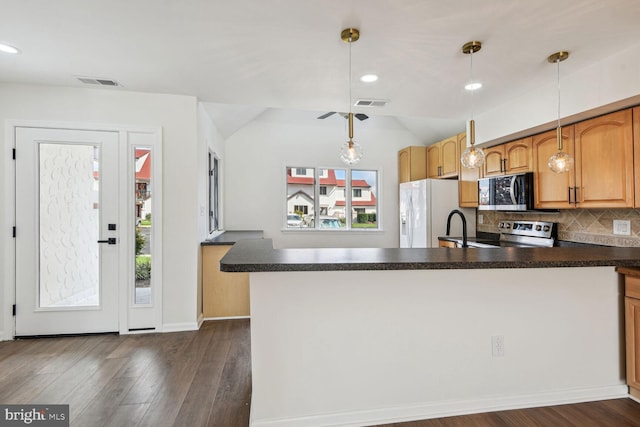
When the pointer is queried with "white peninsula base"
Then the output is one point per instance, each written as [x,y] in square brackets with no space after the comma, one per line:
[353,348]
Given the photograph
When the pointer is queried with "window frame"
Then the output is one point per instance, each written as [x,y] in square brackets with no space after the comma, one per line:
[213,184]
[348,191]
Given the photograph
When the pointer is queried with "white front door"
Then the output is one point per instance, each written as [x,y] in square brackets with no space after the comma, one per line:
[67,234]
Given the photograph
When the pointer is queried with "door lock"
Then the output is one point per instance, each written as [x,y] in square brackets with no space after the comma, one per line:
[110,241]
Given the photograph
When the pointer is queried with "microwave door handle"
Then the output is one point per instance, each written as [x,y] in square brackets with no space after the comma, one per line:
[512,190]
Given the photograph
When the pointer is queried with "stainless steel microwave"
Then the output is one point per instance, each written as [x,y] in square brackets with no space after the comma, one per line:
[506,193]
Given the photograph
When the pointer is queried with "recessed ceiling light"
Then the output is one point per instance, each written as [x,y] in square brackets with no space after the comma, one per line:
[7,48]
[369,78]
[473,86]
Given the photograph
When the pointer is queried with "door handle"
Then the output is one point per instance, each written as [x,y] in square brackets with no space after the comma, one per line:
[109,241]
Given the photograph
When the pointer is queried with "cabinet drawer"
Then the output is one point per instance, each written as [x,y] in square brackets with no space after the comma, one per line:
[632,287]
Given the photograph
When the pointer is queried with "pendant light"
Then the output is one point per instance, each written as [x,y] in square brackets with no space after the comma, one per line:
[559,162]
[472,157]
[350,152]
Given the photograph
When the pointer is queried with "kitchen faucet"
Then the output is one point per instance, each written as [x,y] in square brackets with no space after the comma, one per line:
[464,226]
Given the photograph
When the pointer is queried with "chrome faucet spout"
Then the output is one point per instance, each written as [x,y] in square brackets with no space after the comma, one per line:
[464,226]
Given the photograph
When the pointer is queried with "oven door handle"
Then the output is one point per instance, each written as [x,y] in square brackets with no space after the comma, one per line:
[512,190]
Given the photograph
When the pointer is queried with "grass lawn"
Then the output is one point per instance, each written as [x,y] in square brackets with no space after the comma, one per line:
[365,225]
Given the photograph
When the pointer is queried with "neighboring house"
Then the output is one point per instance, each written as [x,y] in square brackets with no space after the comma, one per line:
[332,198]
[143,183]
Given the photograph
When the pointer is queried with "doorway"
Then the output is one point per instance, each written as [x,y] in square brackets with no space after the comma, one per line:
[67,235]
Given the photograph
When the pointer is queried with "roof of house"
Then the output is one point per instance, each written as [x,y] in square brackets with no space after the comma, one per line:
[143,164]
[329,180]
[354,203]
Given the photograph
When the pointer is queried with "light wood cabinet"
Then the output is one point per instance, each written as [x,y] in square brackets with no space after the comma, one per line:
[223,294]
[443,158]
[493,161]
[512,157]
[636,153]
[467,179]
[602,176]
[552,190]
[632,327]
[412,163]
[446,244]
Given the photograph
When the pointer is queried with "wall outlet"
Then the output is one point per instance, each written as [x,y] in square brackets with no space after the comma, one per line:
[622,227]
[497,346]
[480,219]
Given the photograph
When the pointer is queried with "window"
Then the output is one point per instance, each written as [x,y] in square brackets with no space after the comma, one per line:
[143,229]
[214,203]
[317,198]
[303,209]
[301,198]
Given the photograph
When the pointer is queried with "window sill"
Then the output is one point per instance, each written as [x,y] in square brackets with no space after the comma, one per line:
[331,230]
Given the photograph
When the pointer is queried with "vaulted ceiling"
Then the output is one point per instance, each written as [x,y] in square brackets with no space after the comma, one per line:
[244,56]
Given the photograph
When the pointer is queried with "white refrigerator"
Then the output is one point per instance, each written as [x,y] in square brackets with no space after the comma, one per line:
[424,207]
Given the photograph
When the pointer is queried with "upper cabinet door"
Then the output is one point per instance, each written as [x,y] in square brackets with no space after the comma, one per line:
[604,161]
[519,156]
[636,154]
[552,190]
[494,161]
[433,161]
[449,157]
[412,163]
[404,165]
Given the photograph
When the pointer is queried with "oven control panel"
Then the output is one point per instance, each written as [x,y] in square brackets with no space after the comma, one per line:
[542,229]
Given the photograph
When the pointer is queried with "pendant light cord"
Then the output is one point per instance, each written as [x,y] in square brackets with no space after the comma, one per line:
[472,81]
[558,62]
[350,96]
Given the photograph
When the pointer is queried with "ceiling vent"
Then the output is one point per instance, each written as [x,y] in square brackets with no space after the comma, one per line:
[97,81]
[371,103]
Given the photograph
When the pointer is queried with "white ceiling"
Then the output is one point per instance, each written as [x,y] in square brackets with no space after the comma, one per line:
[247,55]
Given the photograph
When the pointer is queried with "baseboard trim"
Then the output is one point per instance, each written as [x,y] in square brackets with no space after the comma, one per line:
[200,320]
[180,327]
[227,318]
[448,408]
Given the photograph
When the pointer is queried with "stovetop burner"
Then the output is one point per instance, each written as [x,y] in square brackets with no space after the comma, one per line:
[529,233]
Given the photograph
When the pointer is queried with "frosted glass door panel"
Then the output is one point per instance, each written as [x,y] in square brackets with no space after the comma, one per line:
[67,231]
[69,183]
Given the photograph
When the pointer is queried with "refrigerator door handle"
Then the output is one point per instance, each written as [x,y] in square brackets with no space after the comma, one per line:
[410,221]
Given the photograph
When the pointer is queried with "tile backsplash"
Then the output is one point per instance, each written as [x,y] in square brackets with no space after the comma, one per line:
[593,226]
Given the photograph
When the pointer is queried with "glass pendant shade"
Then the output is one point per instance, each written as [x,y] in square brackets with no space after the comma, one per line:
[472,157]
[351,152]
[560,162]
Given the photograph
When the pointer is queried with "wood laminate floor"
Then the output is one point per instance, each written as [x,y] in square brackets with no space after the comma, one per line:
[201,378]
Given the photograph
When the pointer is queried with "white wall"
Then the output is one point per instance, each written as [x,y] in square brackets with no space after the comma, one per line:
[378,347]
[256,157]
[177,117]
[209,139]
[603,87]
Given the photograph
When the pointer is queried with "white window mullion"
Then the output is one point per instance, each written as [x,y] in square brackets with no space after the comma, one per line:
[347,197]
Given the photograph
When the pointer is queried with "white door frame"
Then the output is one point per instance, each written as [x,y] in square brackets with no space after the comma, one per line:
[126,219]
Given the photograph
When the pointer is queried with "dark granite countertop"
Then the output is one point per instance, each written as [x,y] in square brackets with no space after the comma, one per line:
[260,256]
[230,237]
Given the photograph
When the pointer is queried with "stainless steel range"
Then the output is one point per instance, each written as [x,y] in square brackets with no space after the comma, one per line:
[527,233]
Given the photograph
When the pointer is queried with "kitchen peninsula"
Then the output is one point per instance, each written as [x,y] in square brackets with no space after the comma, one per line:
[367,336]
